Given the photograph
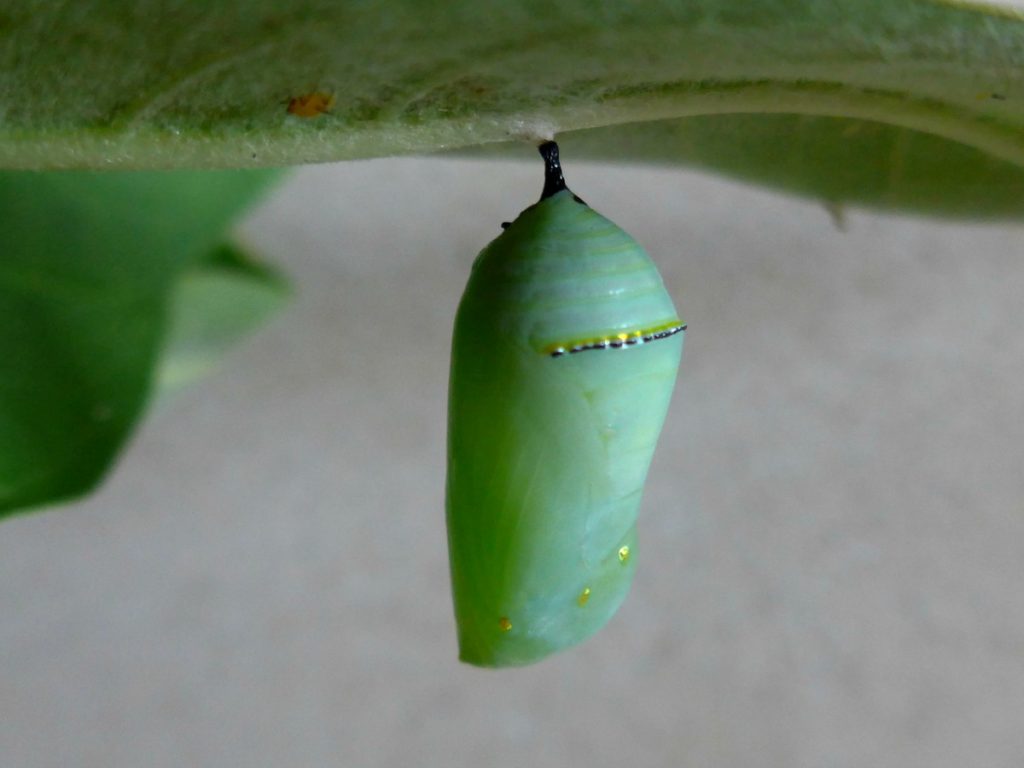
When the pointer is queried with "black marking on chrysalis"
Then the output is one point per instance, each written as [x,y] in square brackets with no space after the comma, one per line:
[506,224]
[619,343]
[554,181]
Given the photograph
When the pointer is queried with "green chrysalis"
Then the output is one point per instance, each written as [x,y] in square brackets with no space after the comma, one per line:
[564,357]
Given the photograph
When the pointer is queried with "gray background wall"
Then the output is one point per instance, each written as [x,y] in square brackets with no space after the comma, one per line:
[832,537]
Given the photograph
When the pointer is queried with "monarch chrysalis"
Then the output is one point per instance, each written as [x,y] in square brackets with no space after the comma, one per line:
[564,357]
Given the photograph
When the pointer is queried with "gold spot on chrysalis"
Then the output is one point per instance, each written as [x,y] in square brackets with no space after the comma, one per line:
[624,553]
[504,624]
[584,596]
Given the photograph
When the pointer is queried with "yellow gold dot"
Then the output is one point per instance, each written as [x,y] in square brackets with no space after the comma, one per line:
[623,553]
[505,624]
[584,596]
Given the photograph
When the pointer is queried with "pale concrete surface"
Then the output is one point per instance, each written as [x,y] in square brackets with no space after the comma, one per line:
[832,561]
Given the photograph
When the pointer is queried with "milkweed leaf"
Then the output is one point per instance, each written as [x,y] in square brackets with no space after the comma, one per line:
[259,82]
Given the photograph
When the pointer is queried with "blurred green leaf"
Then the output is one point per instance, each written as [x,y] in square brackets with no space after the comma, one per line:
[216,304]
[89,264]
